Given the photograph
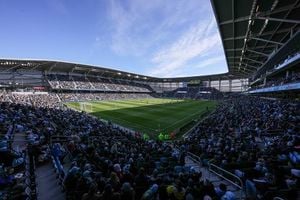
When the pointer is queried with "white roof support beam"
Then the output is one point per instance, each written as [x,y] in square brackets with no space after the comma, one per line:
[261,14]
[10,68]
[244,68]
[233,27]
[257,35]
[280,20]
[253,60]
[248,65]
[260,53]
[268,41]
[241,72]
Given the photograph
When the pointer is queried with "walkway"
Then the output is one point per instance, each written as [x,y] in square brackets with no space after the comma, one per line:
[47,184]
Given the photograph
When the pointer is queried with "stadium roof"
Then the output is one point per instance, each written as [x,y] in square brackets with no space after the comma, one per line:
[68,67]
[254,31]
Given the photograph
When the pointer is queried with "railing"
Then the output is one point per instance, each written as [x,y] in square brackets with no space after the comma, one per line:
[278,198]
[287,61]
[30,176]
[228,176]
[195,158]
[224,174]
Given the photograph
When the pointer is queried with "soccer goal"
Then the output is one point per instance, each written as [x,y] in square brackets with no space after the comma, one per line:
[86,107]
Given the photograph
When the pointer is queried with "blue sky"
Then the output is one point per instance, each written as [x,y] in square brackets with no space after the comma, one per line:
[163,38]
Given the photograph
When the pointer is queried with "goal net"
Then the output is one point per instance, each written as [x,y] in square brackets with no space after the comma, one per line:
[86,107]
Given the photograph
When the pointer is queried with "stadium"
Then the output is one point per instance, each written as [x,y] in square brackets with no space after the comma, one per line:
[82,131]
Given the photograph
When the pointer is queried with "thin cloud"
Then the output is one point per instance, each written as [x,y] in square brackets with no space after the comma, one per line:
[140,25]
[209,61]
[198,40]
[167,36]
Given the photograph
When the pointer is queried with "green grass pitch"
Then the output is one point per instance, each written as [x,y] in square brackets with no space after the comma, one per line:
[150,116]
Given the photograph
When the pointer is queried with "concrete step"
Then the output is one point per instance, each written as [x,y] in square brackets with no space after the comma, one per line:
[47,184]
[216,180]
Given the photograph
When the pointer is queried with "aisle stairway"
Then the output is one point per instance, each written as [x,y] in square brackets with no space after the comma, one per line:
[19,142]
[47,186]
[216,180]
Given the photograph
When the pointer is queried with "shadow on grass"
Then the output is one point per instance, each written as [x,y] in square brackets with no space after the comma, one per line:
[153,119]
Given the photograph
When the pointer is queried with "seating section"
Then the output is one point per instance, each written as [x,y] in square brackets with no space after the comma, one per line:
[101,96]
[104,161]
[256,139]
[96,84]
[193,92]
[292,78]
[281,74]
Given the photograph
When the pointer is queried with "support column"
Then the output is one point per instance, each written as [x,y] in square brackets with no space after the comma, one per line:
[219,84]
[230,85]
[13,81]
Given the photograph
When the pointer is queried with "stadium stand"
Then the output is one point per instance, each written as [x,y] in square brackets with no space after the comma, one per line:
[256,139]
[101,96]
[84,83]
[194,92]
[247,148]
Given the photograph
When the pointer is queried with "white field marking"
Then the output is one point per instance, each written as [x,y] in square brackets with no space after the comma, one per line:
[144,127]
[182,119]
[135,125]
[119,103]
[85,106]
[140,101]
[113,106]
[176,122]
[165,127]
[132,123]
[147,128]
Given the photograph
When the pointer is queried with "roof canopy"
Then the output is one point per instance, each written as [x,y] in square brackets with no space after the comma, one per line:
[253,31]
[66,67]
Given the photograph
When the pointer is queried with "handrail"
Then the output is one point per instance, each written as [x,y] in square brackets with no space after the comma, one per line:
[278,198]
[240,185]
[195,158]
[228,173]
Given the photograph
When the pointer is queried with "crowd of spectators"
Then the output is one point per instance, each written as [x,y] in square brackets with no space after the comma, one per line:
[194,92]
[49,100]
[277,80]
[292,78]
[256,139]
[52,100]
[291,58]
[101,96]
[94,83]
[105,162]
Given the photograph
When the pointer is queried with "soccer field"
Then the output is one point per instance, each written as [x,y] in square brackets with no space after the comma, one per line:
[150,116]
